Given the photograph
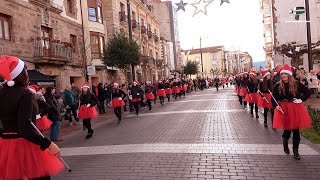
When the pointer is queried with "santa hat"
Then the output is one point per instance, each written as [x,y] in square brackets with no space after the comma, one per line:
[86,85]
[252,72]
[10,68]
[148,82]
[241,73]
[32,89]
[135,82]
[160,81]
[286,69]
[265,73]
[115,84]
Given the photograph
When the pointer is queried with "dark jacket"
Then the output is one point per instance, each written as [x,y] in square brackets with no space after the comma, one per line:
[136,92]
[53,113]
[16,113]
[276,78]
[160,86]
[252,87]
[88,98]
[101,94]
[148,89]
[118,94]
[68,98]
[303,93]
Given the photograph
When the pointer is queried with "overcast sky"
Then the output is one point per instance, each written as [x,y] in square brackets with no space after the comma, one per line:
[237,25]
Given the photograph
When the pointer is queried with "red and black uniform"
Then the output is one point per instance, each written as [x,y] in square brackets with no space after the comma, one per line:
[87,110]
[176,88]
[149,95]
[136,92]
[42,121]
[117,102]
[161,92]
[252,96]
[295,115]
[238,88]
[184,87]
[23,152]
[168,90]
[243,90]
[264,100]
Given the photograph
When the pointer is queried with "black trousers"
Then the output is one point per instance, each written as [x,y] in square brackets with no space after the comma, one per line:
[136,106]
[117,112]
[296,134]
[73,109]
[168,96]
[255,107]
[265,114]
[149,104]
[161,98]
[101,107]
[42,178]
[87,124]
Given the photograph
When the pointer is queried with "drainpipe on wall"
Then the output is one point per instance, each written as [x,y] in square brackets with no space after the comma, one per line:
[84,45]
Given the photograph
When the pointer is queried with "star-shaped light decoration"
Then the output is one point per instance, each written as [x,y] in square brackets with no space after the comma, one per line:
[181,5]
[224,1]
[201,6]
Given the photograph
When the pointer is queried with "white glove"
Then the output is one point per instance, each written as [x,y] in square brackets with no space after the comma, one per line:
[88,105]
[120,98]
[38,116]
[298,101]
[130,97]
[138,94]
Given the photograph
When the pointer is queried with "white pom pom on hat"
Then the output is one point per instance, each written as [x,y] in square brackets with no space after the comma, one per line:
[10,68]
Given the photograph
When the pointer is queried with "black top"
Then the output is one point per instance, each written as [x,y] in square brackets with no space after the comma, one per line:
[16,114]
[244,82]
[136,92]
[88,98]
[160,86]
[53,112]
[303,93]
[118,94]
[252,87]
[176,84]
[269,87]
[148,89]
[101,93]
[167,85]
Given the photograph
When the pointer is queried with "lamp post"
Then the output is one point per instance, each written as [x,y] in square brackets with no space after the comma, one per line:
[308,34]
[130,36]
[201,57]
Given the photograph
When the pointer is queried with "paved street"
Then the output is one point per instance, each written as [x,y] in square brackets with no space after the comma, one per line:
[206,135]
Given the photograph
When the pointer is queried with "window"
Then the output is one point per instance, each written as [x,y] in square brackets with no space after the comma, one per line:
[155,32]
[142,22]
[99,14]
[97,44]
[73,41]
[92,14]
[5,24]
[149,27]
[134,16]
[122,8]
[70,6]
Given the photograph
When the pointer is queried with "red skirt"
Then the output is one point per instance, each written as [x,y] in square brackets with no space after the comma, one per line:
[295,116]
[22,159]
[252,98]
[243,92]
[116,102]
[175,90]
[184,88]
[150,96]
[161,92]
[136,99]
[263,103]
[168,91]
[43,123]
[87,112]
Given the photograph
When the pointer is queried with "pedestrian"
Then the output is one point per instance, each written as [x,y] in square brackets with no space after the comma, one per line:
[87,110]
[252,95]
[70,102]
[168,90]
[130,98]
[149,94]
[117,100]
[161,92]
[101,97]
[313,83]
[291,115]
[264,101]
[136,96]
[23,152]
[217,82]
[76,93]
[125,99]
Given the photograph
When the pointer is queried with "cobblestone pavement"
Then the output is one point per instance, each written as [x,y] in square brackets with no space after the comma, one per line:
[205,135]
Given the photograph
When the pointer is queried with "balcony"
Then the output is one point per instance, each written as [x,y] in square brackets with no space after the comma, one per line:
[49,4]
[52,52]
[123,17]
[135,25]
[150,34]
[143,30]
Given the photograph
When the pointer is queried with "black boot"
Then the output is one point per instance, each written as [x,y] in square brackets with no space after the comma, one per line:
[285,146]
[89,135]
[257,115]
[265,123]
[296,149]
[119,119]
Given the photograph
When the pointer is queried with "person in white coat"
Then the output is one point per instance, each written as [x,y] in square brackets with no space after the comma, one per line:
[313,83]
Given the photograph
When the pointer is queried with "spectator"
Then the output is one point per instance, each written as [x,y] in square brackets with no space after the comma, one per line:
[313,83]
[70,103]
[53,113]
[107,91]
[101,97]
[76,93]
[124,89]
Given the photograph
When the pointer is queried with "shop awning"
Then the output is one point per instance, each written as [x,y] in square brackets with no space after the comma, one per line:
[40,79]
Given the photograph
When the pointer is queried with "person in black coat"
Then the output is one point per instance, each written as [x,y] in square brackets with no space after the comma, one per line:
[53,113]
[136,96]
[101,98]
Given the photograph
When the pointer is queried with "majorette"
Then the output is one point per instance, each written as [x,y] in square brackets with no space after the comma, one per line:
[117,101]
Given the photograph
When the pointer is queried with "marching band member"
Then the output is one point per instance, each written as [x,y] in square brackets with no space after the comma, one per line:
[161,92]
[168,90]
[87,110]
[290,114]
[136,96]
[117,100]
[176,88]
[23,152]
[252,95]
[264,100]
[149,94]
[244,87]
